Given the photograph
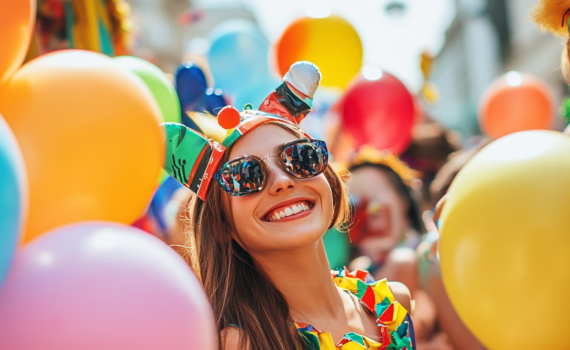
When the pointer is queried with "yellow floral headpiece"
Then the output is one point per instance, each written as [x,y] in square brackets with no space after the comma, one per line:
[552,15]
[370,155]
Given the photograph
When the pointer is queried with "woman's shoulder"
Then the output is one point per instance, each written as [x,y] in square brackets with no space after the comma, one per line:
[401,294]
[393,297]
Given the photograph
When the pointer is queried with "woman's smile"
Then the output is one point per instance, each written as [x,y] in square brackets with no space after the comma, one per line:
[289,210]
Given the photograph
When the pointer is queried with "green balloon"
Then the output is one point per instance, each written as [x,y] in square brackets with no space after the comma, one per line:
[337,247]
[158,84]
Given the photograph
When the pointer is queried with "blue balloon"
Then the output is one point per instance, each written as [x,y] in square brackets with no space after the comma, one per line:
[255,94]
[161,198]
[238,56]
[213,101]
[13,196]
[190,84]
[194,94]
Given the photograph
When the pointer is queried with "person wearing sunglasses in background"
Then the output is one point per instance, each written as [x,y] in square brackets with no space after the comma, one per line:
[258,250]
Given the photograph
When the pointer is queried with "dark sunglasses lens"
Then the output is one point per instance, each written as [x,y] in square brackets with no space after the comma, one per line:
[241,177]
[305,159]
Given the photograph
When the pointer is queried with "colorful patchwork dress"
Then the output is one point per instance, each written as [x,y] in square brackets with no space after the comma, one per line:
[394,323]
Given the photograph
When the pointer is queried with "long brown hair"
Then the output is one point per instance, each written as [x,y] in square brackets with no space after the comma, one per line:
[240,293]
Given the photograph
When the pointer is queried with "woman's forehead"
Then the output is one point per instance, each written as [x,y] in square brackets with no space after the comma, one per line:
[369,179]
[262,141]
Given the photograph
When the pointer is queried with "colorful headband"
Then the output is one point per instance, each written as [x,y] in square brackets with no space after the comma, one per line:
[193,158]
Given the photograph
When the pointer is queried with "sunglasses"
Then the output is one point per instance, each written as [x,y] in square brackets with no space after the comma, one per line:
[247,175]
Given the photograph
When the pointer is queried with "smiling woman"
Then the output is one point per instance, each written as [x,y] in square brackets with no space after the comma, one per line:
[255,238]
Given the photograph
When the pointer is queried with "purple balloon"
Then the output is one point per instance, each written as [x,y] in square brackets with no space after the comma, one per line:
[103,286]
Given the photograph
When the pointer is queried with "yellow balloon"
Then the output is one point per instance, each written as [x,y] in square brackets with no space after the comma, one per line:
[331,43]
[505,242]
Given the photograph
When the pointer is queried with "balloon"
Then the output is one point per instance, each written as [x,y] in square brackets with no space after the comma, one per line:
[157,217]
[379,112]
[255,94]
[155,79]
[89,134]
[99,286]
[16,27]
[515,102]
[13,196]
[194,94]
[331,43]
[238,60]
[504,242]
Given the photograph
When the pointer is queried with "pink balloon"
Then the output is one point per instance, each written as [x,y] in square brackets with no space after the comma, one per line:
[103,286]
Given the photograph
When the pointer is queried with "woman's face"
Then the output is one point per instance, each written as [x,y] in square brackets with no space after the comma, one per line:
[304,206]
[387,211]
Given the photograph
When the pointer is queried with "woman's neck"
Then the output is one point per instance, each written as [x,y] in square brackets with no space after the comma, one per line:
[303,277]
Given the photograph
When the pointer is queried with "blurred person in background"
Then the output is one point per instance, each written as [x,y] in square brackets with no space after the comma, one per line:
[387,229]
[429,150]
[448,325]
[386,232]
[386,225]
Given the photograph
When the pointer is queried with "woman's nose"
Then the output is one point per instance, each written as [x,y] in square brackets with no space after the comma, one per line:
[278,180]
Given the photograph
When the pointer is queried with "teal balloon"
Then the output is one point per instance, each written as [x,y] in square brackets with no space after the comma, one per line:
[337,247]
[255,94]
[239,62]
[13,197]
[158,84]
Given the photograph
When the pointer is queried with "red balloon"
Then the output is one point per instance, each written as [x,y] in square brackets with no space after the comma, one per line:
[379,113]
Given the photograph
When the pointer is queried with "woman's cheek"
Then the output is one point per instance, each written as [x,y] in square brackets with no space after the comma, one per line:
[243,216]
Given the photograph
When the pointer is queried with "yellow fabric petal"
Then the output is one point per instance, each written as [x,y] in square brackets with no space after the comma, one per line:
[399,317]
[381,291]
[347,283]
[326,341]
[352,346]
[371,343]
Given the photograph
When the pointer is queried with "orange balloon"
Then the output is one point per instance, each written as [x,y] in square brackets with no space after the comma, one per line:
[89,134]
[515,102]
[331,43]
[16,27]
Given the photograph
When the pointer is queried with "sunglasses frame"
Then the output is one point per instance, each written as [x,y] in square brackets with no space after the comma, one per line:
[319,143]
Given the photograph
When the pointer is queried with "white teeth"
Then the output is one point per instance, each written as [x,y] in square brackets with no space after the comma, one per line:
[294,209]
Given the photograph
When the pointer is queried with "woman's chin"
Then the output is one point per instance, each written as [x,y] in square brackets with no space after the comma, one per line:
[293,238]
